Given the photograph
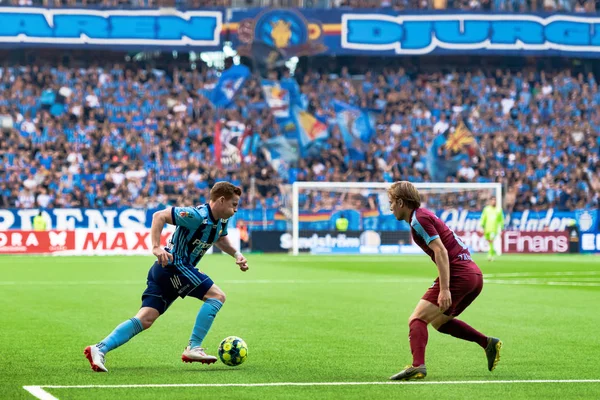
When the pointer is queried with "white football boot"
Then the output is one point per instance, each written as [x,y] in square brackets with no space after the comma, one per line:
[197,354]
[96,358]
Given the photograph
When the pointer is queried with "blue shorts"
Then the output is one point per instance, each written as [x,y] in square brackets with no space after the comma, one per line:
[168,283]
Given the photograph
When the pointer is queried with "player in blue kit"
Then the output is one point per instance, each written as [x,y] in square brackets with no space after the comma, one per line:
[174,274]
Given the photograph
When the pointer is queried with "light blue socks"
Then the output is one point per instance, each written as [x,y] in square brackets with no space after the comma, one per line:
[204,320]
[121,335]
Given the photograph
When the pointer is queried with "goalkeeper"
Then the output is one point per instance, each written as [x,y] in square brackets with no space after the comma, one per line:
[492,222]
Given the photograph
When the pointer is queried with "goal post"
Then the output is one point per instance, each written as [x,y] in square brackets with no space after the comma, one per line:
[458,204]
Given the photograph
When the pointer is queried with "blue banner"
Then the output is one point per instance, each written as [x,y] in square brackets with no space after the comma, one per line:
[131,29]
[271,219]
[297,32]
[481,33]
[230,82]
[387,32]
[357,126]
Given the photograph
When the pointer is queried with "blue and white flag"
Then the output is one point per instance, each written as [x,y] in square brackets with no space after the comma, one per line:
[278,98]
[228,86]
[357,126]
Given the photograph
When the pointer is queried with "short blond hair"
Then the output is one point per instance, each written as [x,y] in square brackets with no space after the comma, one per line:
[407,192]
[224,189]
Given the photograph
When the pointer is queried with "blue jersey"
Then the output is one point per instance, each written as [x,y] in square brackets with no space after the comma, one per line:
[197,230]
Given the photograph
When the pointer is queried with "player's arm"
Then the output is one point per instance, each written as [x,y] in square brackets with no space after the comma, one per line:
[159,219]
[443,265]
[226,247]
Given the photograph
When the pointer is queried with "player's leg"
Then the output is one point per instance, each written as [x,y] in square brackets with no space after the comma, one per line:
[155,301]
[489,237]
[425,312]
[213,298]
[213,301]
[464,291]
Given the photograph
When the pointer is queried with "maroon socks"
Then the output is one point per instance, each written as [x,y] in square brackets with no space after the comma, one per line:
[461,330]
[418,341]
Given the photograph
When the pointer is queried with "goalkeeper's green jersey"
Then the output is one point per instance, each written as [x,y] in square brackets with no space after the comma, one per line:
[492,219]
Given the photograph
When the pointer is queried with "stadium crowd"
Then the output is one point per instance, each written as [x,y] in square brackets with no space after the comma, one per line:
[117,135]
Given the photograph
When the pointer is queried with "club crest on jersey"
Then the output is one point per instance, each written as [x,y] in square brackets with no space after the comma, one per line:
[185,214]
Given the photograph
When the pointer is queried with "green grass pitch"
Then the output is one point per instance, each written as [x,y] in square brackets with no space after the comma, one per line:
[306,319]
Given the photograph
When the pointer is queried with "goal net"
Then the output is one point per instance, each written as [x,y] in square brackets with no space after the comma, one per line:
[371,227]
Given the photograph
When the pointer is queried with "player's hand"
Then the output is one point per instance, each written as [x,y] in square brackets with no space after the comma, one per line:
[241,261]
[444,300]
[163,256]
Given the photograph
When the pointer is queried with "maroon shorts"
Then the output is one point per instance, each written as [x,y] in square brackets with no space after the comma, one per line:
[464,289]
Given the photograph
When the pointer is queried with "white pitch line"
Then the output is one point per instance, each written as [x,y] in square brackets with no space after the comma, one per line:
[539,282]
[37,390]
[240,281]
[560,281]
[525,274]
[39,393]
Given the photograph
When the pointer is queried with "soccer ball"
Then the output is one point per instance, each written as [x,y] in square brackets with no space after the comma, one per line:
[233,351]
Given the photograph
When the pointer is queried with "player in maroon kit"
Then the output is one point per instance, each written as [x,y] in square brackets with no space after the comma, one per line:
[459,283]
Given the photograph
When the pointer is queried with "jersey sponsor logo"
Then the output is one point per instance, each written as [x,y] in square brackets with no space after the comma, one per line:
[464,257]
[200,248]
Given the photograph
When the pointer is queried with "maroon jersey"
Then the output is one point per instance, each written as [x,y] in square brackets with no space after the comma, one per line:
[425,227]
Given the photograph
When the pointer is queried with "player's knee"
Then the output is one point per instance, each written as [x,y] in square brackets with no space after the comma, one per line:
[147,316]
[215,292]
[437,323]
[220,295]
[147,321]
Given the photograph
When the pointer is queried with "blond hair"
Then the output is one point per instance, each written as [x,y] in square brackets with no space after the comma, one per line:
[407,192]
[224,189]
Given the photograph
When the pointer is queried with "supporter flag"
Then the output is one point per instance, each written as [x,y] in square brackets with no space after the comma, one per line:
[283,98]
[227,143]
[357,126]
[280,148]
[230,82]
[280,153]
[278,98]
[308,127]
[449,149]
[293,89]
